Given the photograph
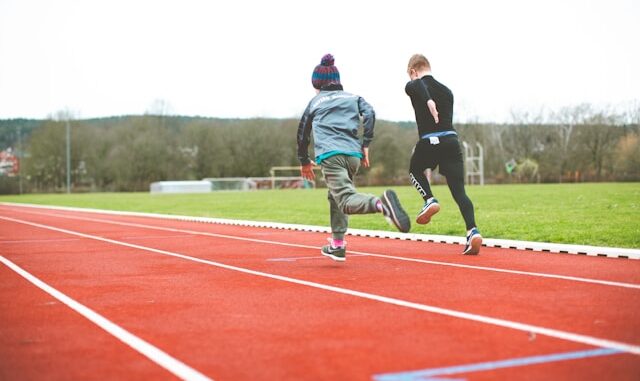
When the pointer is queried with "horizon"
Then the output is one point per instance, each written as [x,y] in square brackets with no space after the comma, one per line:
[539,119]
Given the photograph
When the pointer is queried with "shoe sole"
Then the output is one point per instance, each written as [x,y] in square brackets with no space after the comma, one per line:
[474,249]
[425,217]
[335,258]
[399,219]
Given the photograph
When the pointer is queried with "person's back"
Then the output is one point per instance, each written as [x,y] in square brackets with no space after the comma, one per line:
[439,93]
[334,115]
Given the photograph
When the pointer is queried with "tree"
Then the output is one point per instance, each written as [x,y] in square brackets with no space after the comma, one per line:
[596,140]
[46,165]
[627,163]
[145,152]
[567,118]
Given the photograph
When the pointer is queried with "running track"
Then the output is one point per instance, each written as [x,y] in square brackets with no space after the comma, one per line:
[89,296]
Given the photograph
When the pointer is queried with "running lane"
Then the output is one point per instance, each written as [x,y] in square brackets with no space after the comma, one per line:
[219,320]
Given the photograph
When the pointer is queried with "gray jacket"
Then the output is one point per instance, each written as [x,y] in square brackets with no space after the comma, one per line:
[334,117]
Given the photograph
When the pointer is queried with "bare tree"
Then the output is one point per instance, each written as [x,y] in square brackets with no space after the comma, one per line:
[598,138]
[567,118]
[159,107]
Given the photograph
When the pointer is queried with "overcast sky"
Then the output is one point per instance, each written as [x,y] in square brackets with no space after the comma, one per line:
[254,58]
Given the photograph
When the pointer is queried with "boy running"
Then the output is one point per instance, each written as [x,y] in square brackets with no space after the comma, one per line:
[334,116]
[438,146]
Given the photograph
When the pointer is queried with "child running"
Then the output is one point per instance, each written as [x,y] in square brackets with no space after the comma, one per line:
[438,146]
[334,116]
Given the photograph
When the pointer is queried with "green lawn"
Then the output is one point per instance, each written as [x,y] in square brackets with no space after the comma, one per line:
[604,214]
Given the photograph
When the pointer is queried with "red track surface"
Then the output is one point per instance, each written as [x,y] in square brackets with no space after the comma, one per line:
[232,325]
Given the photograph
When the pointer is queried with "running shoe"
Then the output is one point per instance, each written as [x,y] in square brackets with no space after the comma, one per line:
[430,208]
[393,211]
[335,253]
[474,241]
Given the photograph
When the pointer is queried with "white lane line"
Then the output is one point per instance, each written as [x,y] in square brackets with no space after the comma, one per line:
[293,259]
[528,328]
[39,240]
[158,356]
[514,272]
[143,237]
[610,252]
[424,261]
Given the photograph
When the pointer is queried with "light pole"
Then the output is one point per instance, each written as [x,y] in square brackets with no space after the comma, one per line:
[20,158]
[68,157]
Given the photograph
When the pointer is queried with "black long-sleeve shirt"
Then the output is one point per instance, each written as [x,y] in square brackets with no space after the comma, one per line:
[420,91]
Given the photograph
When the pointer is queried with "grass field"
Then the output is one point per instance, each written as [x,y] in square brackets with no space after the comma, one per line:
[603,214]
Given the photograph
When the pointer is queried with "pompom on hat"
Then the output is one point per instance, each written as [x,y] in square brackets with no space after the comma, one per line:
[325,73]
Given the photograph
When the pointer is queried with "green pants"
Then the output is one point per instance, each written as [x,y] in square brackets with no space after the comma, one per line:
[339,171]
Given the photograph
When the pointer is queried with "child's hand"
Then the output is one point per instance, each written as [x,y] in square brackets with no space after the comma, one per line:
[434,111]
[365,159]
[307,171]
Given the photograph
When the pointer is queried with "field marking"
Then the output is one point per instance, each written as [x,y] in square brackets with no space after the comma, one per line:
[588,250]
[153,353]
[528,328]
[21,241]
[39,240]
[143,237]
[429,374]
[293,259]
[599,251]
[424,261]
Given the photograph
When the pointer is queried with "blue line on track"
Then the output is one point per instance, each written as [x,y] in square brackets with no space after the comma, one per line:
[432,374]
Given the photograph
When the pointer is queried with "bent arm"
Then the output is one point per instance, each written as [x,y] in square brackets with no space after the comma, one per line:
[303,136]
[369,121]
[418,89]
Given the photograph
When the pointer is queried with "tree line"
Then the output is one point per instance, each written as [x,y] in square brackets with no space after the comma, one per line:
[128,153]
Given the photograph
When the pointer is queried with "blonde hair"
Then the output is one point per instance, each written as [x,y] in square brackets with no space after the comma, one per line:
[418,62]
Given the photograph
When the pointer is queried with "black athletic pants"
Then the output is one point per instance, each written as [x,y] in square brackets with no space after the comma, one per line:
[448,156]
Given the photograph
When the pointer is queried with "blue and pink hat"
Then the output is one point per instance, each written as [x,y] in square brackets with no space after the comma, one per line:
[325,73]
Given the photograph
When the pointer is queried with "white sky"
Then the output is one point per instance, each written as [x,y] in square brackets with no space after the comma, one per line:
[254,58]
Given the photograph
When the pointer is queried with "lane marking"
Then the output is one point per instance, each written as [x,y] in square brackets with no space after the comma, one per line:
[428,374]
[158,356]
[424,261]
[596,251]
[293,259]
[40,240]
[528,328]
[77,239]
[143,237]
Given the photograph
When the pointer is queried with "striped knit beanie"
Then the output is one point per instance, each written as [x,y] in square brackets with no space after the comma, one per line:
[325,73]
